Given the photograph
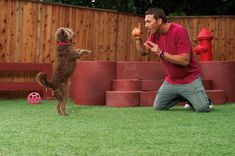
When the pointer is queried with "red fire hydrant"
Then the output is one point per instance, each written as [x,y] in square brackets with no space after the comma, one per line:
[204,48]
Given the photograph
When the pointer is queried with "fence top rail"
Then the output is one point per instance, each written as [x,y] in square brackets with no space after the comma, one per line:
[69,5]
[120,12]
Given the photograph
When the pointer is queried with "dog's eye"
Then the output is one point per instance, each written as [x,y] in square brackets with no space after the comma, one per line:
[62,32]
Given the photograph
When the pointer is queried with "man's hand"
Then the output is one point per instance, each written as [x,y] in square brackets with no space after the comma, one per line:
[137,31]
[154,48]
[147,46]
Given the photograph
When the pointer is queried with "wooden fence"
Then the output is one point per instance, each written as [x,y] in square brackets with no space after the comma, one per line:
[27,32]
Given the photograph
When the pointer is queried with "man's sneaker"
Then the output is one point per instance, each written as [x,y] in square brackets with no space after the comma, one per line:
[187,106]
[210,104]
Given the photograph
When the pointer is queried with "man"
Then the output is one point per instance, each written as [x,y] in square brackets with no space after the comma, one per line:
[170,43]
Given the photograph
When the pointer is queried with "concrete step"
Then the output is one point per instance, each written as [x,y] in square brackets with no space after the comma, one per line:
[207,84]
[126,85]
[218,97]
[151,85]
[147,98]
[122,98]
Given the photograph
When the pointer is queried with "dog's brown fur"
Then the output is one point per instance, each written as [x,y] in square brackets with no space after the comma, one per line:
[64,67]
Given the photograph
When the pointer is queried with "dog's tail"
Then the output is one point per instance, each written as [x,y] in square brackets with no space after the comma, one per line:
[41,78]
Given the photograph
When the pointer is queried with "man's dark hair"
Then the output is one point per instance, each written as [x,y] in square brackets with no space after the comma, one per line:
[157,13]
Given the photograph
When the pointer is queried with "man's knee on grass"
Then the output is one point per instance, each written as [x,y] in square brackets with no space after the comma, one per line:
[156,106]
[202,108]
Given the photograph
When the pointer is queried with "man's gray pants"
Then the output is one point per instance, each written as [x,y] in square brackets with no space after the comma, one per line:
[169,95]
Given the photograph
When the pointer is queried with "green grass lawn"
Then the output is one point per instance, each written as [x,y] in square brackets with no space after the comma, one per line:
[98,130]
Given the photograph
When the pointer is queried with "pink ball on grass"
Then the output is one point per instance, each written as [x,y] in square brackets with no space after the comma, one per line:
[34,98]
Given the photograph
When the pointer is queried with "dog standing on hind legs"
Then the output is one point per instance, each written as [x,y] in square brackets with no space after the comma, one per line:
[64,67]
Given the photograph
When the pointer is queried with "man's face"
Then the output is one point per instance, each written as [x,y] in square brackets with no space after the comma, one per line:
[151,24]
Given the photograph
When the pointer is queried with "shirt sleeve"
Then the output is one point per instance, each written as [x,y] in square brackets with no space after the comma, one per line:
[183,44]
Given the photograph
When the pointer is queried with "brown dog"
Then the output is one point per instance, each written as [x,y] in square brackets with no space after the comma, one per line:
[64,67]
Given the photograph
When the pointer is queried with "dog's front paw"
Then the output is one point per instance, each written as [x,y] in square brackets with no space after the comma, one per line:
[88,51]
[84,51]
[78,50]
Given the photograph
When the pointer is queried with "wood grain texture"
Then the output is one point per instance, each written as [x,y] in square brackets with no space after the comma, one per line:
[27,32]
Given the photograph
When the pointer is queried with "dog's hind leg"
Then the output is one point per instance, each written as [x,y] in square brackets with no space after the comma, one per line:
[64,99]
[58,107]
[59,96]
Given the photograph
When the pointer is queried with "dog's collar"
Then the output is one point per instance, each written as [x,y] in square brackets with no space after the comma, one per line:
[64,43]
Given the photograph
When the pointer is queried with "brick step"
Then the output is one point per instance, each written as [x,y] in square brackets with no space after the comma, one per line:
[207,84]
[217,96]
[151,85]
[126,85]
[122,98]
[154,85]
[147,98]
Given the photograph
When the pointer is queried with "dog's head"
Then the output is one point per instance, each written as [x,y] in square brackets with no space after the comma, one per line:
[64,34]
